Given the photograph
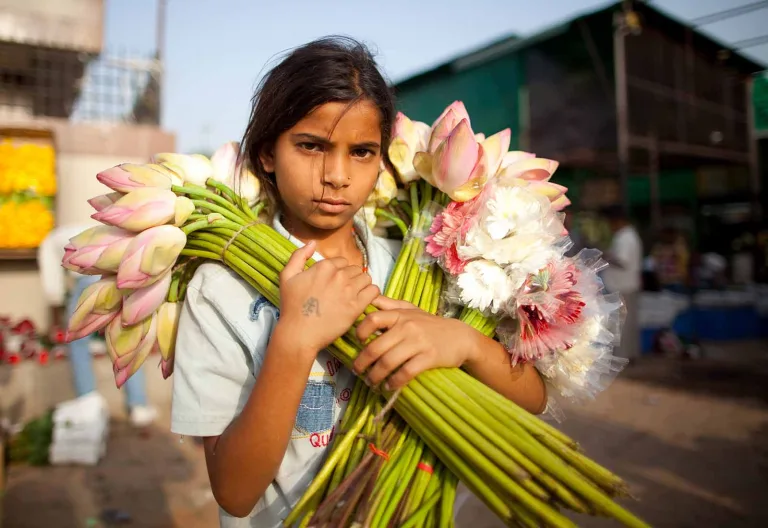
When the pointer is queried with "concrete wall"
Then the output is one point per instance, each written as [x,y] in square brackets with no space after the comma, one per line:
[82,151]
[64,24]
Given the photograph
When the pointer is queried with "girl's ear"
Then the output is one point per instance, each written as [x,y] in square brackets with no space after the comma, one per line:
[267,157]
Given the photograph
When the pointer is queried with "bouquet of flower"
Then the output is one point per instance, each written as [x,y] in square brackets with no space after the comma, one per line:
[482,241]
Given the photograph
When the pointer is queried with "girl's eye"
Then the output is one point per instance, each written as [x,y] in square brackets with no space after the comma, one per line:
[311,147]
[363,153]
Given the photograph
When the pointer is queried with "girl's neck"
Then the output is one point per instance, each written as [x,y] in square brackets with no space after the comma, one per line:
[330,243]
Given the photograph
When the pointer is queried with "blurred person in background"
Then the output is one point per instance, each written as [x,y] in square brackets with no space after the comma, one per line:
[624,276]
[671,260]
[56,282]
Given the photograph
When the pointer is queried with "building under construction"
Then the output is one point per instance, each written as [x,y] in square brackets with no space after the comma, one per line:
[639,108]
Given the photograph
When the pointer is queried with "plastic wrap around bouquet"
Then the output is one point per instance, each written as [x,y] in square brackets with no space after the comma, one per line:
[483,241]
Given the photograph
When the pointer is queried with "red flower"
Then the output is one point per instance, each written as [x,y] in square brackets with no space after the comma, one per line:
[447,228]
[547,310]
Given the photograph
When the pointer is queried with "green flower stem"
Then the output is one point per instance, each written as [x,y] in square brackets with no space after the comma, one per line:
[215,208]
[437,292]
[325,471]
[386,485]
[479,458]
[485,440]
[233,197]
[406,207]
[425,299]
[420,484]
[457,464]
[421,282]
[419,516]
[213,242]
[509,410]
[557,468]
[396,278]
[408,470]
[198,194]
[448,498]
[381,213]
[484,423]
[414,189]
[245,243]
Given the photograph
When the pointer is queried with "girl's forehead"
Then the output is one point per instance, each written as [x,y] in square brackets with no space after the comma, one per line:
[360,120]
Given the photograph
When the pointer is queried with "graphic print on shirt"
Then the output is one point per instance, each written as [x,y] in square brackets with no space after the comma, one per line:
[316,410]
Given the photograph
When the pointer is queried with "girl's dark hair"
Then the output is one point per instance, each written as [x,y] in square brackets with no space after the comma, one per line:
[331,69]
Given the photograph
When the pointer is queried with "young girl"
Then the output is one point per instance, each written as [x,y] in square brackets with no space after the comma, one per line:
[255,381]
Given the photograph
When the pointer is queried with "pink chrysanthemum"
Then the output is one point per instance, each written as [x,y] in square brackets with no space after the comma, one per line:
[549,309]
[447,228]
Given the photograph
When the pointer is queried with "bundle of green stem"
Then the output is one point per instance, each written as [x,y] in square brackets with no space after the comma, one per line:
[523,469]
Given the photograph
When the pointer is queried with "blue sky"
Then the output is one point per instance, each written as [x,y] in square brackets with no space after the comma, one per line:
[216,50]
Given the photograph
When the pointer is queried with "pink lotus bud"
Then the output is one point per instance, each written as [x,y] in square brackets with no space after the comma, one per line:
[166,366]
[143,302]
[104,200]
[128,177]
[224,162]
[97,306]
[560,203]
[459,164]
[495,147]
[149,256]
[459,110]
[409,138]
[167,325]
[528,168]
[129,346]
[534,173]
[195,168]
[144,208]
[97,250]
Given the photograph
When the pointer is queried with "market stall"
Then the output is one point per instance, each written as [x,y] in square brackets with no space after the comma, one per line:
[27,190]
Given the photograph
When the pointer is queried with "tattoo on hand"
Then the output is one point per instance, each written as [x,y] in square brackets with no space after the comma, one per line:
[311,307]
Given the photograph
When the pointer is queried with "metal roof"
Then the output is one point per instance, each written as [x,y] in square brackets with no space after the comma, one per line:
[514,44]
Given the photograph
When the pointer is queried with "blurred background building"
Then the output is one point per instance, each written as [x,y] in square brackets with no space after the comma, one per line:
[68,108]
[639,108]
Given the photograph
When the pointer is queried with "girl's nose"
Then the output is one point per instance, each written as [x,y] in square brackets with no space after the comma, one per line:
[336,172]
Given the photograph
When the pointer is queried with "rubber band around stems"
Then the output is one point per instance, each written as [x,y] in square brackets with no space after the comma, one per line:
[237,233]
[378,452]
[423,466]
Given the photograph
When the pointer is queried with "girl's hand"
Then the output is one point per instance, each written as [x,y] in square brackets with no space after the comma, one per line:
[413,341]
[320,304]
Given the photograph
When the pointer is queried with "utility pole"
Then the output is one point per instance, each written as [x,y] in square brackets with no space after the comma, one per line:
[162,8]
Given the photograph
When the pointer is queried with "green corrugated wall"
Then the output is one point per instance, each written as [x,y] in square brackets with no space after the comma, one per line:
[490,92]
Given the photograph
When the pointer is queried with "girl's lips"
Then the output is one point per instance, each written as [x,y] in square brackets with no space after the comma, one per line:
[332,206]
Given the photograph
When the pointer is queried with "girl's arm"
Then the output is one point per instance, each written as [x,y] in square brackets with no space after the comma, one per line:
[244,460]
[317,306]
[415,341]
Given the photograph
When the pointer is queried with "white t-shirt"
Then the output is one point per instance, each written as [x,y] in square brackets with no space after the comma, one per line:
[223,334]
[627,250]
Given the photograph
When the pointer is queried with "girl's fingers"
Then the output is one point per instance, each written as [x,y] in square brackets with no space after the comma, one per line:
[408,371]
[298,260]
[360,282]
[385,303]
[367,295]
[396,357]
[375,349]
[381,320]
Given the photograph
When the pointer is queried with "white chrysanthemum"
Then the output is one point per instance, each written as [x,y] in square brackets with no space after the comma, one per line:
[521,254]
[485,286]
[514,210]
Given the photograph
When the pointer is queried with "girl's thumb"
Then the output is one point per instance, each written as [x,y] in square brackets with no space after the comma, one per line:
[298,260]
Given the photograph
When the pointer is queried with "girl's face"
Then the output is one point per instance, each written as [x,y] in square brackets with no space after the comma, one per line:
[326,166]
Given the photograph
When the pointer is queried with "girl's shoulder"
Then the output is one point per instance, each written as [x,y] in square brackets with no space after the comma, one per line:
[233,299]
